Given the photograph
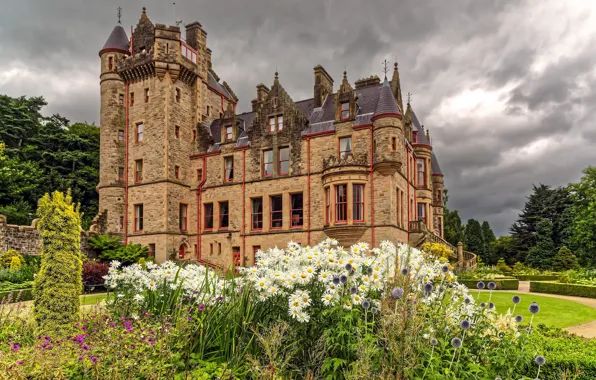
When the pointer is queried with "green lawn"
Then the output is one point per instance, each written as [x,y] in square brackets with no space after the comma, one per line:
[92,299]
[554,312]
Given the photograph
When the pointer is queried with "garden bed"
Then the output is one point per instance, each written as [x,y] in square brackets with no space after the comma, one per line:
[539,277]
[502,283]
[563,289]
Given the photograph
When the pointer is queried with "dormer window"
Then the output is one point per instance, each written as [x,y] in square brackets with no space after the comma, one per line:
[276,123]
[345,110]
[229,133]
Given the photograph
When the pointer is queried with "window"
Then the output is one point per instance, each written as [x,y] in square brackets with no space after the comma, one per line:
[284,160]
[121,99]
[272,124]
[199,175]
[138,218]
[394,144]
[345,110]
[120,135]
[138,170]
[120,173]
[327,206]
[151,250]
[414,137]
[276,212]
[341,203]
[110,63]
[255,249]
[177,172]
[229,169]
[210,248]
[297,219]
[183,217]
[208,216]
[132,99]
[399,207]
[267,163]
[420,172]
[224,221]
[121,225]
[219,248]
[358,203]
[280,123]
[422,212]
[146,95]
[229,134]
[439,196]
[208,109]
[177,95]
[345,147]
[177,131]
[140,128]
[194,135]
[181,252]
[257,214]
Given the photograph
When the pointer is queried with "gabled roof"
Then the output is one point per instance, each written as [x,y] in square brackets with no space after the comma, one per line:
[386,103]
[117,41]
[218,86]
[419,127]
[436,169]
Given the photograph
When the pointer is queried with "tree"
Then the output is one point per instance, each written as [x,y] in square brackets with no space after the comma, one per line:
[584,217]
[541,255]
[453,230]
[489,238]
[474,239]
[504,248]
[565,260]
[58,284]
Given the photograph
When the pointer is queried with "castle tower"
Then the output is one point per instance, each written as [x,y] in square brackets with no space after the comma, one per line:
[438,205]
[112,130]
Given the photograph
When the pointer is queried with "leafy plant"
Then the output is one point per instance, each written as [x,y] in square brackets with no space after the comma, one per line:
[127,254]
[93,273]
[104,243]
[6,258]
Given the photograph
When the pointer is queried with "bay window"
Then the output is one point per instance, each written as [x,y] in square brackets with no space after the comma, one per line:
[420,172]
[358,203]
[341,203]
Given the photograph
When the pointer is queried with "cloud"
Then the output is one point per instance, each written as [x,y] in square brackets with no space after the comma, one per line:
[507,88]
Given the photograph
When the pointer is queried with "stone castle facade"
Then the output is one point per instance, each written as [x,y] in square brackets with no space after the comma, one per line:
[185,174]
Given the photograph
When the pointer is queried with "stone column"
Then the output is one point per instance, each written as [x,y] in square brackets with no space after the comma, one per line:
[460,254]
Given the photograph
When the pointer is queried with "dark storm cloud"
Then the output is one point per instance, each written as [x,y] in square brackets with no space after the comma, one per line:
[535,56]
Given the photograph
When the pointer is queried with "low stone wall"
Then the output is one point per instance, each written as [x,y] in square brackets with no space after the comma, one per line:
[27,239]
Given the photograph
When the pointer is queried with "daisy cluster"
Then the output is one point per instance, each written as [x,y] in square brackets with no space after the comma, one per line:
[330,276]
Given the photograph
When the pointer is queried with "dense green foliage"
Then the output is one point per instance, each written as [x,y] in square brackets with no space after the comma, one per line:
[583,238]
[126,254]
[41,154]
[580,276]
[6,258]
[502,283]
[542,253]
[564,260]
[59,281]
[563,289]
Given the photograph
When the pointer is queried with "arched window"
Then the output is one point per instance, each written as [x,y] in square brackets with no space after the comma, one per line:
[181,252]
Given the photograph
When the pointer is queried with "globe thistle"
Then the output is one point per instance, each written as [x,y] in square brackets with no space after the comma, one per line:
[465,324]
[456,342]
[336,280]
[482,304]
[534,308]
[428,288]
[353,290]
[369,271]
[366,304]
[351,273]
[515,299]
[348,267]
[540,360]
[397,293]
[343,278]
[480,285]
[519,318]
[492,286]
[491,305]
[373,310]
[467,300]
[405,271]
[434,342]
[445,268]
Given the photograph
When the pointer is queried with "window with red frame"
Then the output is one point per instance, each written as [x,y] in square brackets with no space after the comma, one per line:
[394,144]
[138,170]
[121,99]
[208,216]
[146,95]
[345,146]
[132,99]
[194,135]
[327,206]
[420,172]
[272,124]
[181,252]
[255,249]
[284,160]
[257,214]
[224,211]
[345,110]
[120,173]
[140,128]
[296,214]
[280,123]
[177,131]
[422,212]
[229,133]
[138,218]
[183,217]
[358,203]
[341,203]
[267,163]
[177,172]
[229,169]
[110,63]
[120,135]
[121,223]
[276,212]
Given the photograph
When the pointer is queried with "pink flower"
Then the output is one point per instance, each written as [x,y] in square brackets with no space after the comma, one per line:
[20,362]
[15,347]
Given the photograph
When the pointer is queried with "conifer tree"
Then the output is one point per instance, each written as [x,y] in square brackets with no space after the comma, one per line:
[489,238]
[474,239]
[541,255]
[58,284]
[564,260]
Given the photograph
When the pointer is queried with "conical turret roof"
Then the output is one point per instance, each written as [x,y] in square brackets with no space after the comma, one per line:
[118,41]
[386,103]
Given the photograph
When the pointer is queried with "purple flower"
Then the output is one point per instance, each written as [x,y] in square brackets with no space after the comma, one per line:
[428,288]
[81,358]
[94,359]
[492,286]
[480,285]
[515,299]
[202,307]
[540,360]
[16,347]
[397,293]
[405,271]
[534,308]
[343,278]
[456,342]
[519,318]
[20,362]
[465,324]
[85,347]
[445,268]
[189,319]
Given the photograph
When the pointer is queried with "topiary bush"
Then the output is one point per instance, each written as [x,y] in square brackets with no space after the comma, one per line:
[6,258]
[58,284]
[563,289]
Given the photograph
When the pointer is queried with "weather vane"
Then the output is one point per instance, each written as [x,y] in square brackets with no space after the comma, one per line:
[385,69]
[409,97]
[119,14]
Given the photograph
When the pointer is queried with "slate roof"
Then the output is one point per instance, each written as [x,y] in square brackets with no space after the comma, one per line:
[420,128]
[435,165]
[118,40]
[386,102]
[218,86]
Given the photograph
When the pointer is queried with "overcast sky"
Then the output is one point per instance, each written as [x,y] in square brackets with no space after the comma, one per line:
[507,88]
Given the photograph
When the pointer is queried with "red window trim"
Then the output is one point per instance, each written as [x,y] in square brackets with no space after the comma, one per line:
[183,227]
[339,146]
[327,205]
[139,217]
[263,163]
[277,125]
[205,228]
[354,203]
[279,161]
[226,169]
[220,227]
[296,209]
[341,111]
[137,177]
[339,204]
[271,220]
[253,214]
[137,132]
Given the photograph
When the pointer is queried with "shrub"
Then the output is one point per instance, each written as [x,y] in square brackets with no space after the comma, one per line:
[564,260]
[93,273]
[563,289]
[502,283]
[438,250]
[5,286]
[15,264]
[503,267]
[104,243]
[6,258]
[59,281]
[16,295]
[581,277]
[128,254]
[544,277]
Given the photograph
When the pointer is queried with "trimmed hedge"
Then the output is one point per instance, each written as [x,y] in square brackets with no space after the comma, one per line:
[538,277]
[26,295]
[502,283]
[563,289]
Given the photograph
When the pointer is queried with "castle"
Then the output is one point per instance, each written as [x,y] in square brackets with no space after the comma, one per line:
[183,173]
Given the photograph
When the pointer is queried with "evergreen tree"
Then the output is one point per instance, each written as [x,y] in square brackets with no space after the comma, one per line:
[474,239]
[453,230]
[584,217]
[564,260]
[489,239]
[541,255]
[504,248]
[58,284]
